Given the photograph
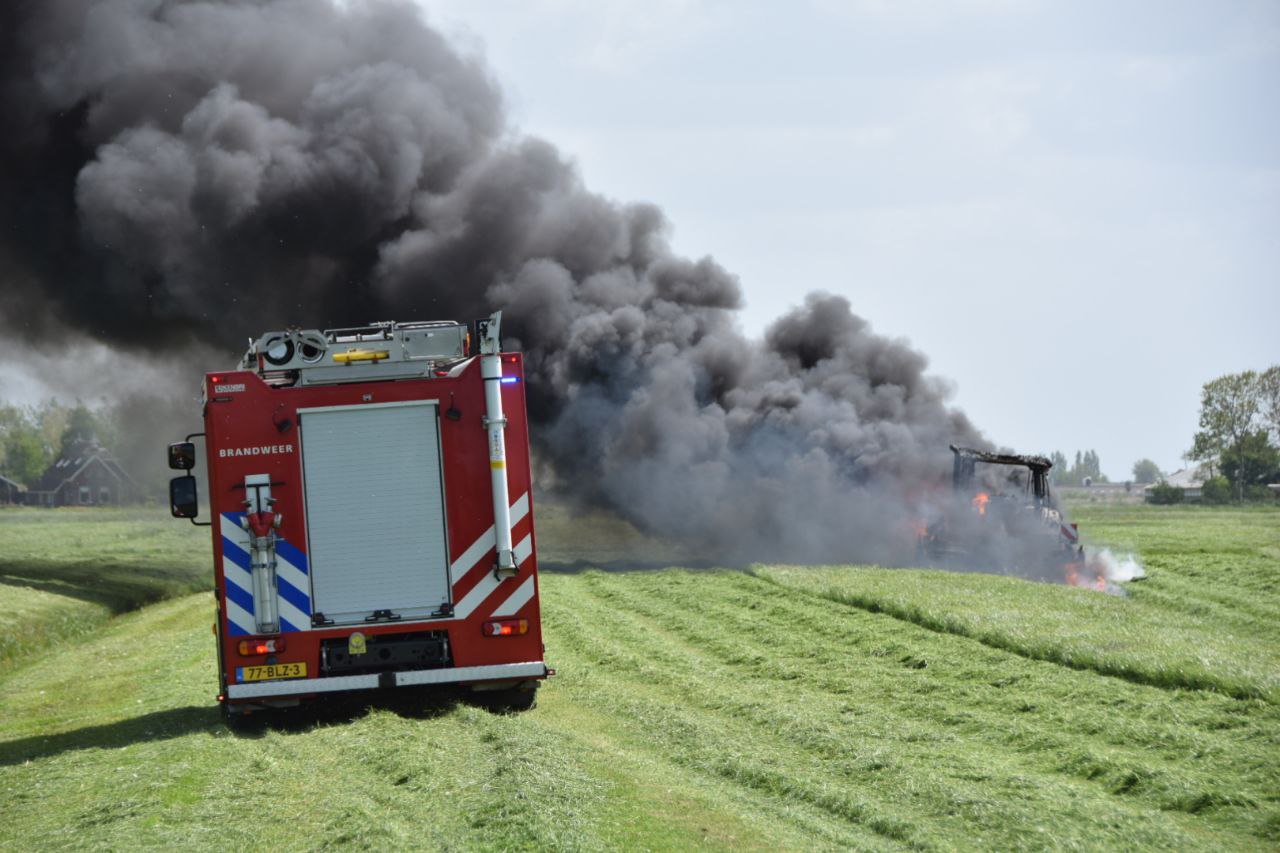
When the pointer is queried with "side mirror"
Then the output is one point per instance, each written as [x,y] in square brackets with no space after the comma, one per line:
[182,456]
[184,502]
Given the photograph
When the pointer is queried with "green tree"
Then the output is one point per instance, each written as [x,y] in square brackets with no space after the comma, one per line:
[1228,407]
[1145,471]
[82,425]
[33,437]
[11,418]
[1163,493]
[1252,461]
[25,457]
[24,454]
[1269,399]
[1058,473]
[1087,464]
[1093,466]
[1216,490]
[50,419]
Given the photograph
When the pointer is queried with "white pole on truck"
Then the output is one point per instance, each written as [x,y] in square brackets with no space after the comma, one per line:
[496,424]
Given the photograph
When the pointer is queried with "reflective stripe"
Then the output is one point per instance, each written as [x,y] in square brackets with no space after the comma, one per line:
[239,595]
[488,583]
[239,621]
[293,583]
[290,554]
[293,595]
[291,618]
[294,686]
[518,599]
[236,553]
[533,669]
[482,546]
[238,575]
[299,585]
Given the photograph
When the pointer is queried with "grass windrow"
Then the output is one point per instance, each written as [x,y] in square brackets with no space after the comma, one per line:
[774,708]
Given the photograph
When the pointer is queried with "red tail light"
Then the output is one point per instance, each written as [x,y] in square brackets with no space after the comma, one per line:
[262,647]
[506,628]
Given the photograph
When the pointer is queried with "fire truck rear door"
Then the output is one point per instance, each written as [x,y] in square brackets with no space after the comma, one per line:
[375,510]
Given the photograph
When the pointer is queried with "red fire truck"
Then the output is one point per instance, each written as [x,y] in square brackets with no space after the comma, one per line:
[372,515]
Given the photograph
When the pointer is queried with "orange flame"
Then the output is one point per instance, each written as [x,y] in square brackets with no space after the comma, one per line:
[980,502]
[1083,575]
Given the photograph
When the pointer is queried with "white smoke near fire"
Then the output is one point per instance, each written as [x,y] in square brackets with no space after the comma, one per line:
[1115,568]
[193,173]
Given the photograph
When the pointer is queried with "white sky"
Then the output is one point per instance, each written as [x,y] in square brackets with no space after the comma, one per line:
[1072,207]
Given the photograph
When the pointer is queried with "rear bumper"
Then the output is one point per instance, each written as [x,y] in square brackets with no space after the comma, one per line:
[453,675]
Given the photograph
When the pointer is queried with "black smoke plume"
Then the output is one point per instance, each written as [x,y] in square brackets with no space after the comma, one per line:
[178,173]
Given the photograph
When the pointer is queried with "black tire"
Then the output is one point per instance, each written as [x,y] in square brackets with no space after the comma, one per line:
[233,719]
[240,721]
[511,701]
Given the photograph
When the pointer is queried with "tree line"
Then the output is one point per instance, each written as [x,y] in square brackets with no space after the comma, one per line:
[34,437]
[1238,443]
[1239,435]
[1087,468]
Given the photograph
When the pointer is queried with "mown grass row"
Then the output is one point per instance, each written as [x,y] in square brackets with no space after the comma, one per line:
[1126,638]
[693,709]
[65,572]
[1218,562]
[115,743]
[928,734]
[1201,620]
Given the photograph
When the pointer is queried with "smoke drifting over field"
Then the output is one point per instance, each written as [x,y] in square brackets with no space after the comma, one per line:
[197,172]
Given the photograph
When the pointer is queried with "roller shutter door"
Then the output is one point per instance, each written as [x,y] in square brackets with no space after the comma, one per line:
[375,510]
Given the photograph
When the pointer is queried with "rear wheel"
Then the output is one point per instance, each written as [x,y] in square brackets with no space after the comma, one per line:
[509,701]
[233,718]
[238,719]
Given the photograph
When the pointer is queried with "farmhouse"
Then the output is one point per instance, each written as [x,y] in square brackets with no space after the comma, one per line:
[10,492]
[86,475]
[1190,480]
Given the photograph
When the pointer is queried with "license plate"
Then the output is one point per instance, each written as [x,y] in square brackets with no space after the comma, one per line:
[271,671]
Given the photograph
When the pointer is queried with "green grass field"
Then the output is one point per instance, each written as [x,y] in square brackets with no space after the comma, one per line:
[837,707]
[64,573]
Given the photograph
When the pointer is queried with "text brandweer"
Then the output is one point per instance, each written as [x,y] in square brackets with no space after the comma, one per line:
[255,451]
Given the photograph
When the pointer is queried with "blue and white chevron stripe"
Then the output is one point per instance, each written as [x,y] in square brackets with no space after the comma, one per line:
[292,581]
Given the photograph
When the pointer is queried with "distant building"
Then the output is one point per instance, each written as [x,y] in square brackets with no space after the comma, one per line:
[1108,489]
[87,475]
[1190,480]
[11,492]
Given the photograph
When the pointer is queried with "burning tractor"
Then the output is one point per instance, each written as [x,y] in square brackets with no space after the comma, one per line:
[1005,520]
